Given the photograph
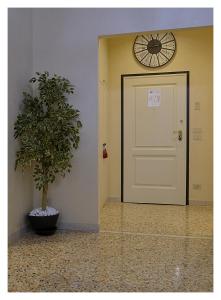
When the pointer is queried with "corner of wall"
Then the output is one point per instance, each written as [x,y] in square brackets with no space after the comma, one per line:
[20,59]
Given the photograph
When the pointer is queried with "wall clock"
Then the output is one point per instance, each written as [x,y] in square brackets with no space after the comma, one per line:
[154,50]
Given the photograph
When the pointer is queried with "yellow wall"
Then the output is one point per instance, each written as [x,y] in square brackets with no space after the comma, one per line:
[102,120]
[194,54]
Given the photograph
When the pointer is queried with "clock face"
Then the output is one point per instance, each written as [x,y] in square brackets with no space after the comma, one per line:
[154,50]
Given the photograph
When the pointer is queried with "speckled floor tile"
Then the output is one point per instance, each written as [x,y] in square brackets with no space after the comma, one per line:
[158,219]
[115,260]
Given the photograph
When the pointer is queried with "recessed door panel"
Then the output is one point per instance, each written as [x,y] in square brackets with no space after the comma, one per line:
[161,117]
[151,171]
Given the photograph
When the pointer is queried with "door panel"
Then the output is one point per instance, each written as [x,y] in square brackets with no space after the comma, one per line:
[154,157]
[152,170]
[160,117]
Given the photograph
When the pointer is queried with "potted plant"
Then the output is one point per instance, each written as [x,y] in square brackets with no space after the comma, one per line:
[48,130]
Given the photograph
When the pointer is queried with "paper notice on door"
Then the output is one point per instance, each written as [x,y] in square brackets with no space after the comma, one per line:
[153,97]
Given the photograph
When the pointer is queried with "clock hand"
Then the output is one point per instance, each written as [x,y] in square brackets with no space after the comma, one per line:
[153,46]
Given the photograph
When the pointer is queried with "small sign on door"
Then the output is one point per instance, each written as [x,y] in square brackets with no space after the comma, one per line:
[153,97]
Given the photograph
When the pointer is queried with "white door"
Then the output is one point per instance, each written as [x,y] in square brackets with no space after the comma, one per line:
[154,139]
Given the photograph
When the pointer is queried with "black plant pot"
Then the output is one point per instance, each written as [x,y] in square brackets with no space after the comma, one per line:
[44,225]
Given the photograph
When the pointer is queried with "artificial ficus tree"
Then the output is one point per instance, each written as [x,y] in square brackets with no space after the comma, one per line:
[48,129]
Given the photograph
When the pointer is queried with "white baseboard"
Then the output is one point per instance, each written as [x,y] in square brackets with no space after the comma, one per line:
[114,199]
[200,202]
[17,235]
[78,227]
[191,202]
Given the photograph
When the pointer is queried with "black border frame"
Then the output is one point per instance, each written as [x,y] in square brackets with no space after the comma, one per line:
[187,124]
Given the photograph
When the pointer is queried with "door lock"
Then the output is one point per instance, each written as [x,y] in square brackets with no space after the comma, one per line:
[180,135]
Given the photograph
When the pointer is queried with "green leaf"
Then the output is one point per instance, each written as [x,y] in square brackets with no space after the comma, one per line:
[47,129]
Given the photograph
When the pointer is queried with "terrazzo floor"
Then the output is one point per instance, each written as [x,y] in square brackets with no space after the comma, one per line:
[140,248]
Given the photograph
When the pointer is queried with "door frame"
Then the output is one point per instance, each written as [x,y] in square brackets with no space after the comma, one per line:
[187,125]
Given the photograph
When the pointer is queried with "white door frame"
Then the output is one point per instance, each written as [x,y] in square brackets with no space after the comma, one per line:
[187,126]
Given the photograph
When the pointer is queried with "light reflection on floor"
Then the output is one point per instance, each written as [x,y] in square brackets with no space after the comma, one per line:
[140,248]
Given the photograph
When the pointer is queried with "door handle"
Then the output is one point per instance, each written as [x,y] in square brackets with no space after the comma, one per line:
[179,134]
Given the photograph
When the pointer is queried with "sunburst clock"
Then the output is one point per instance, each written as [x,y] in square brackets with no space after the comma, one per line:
[154,50]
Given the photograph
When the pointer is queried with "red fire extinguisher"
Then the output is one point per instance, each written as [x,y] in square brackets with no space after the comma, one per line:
[105,151]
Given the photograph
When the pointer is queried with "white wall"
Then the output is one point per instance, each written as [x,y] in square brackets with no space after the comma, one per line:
[20,191]
[66,42]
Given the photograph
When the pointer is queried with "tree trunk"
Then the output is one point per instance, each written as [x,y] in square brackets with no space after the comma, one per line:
[44,197]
